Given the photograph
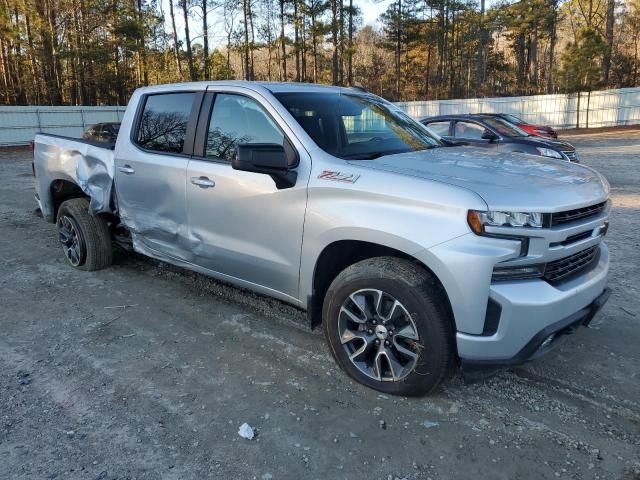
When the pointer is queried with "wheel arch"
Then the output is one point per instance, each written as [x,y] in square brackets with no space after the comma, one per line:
[340,254]
[61,190]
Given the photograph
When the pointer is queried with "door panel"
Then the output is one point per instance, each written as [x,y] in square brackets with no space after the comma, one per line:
[151,172]
[240,224]
[245,227]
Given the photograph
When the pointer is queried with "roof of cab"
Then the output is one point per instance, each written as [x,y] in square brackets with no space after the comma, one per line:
[274,87]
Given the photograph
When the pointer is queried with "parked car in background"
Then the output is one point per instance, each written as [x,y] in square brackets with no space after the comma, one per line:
[489,131]
[530,128]
[102,132]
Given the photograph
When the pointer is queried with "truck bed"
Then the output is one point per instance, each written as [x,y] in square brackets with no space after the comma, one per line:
[87,164]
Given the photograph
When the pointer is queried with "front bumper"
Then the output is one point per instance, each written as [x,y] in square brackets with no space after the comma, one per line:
[530,311]
[545,340]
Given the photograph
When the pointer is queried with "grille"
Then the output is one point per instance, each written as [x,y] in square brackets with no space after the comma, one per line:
[571,155]
[571,215]
[556,271]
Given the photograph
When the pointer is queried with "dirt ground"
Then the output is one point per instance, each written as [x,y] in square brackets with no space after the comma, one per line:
[146,371]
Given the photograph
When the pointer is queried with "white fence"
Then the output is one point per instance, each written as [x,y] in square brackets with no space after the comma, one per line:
[18,125]
[604,108]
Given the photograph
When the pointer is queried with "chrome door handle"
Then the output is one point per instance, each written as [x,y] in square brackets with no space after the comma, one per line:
[127,169]
[203,182]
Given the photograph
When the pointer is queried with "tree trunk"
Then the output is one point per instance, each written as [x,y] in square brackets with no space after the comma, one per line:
[245,12]
[334,41]
[552,46]
[32,60]
[303,45]
[252,41]
[205,41]
[48,53]
[314,45]
[480,69]
[141,45]
[398,47]
[533,56]
[283,42]
[350,55]
[4,91]
[296,40]
[521,61]
[175,38]
[192,70]
[341,41]
[606,59]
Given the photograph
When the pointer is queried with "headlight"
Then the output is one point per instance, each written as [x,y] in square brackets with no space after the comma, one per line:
[547,152]
[478,220]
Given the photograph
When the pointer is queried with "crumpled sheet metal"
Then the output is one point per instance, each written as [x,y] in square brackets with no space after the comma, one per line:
[88,166]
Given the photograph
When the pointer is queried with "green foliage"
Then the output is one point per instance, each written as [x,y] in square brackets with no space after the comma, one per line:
[580,62]
[99,51]
[219,68]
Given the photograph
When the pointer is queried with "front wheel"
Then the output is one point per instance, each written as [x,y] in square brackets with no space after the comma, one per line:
[388,327]
[85,238]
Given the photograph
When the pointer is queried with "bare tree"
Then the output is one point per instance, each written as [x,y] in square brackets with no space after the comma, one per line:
[192,69]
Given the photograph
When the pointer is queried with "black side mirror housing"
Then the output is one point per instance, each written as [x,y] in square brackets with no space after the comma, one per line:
[270,159]
[489,135]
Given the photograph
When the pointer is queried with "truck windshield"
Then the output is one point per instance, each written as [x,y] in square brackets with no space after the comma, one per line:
[356,126]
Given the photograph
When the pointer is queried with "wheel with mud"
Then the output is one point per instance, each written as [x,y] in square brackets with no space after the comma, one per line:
[85,238]
[388,326]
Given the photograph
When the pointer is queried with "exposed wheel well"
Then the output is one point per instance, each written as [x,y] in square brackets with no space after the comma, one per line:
[62,190]
[338,256]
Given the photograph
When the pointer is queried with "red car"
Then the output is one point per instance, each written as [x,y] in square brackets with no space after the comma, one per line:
[531,129]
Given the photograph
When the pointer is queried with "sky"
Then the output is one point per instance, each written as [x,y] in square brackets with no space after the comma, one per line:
[371,10]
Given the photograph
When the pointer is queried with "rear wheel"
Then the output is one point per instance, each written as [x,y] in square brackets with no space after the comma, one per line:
[387,326]
[85,238]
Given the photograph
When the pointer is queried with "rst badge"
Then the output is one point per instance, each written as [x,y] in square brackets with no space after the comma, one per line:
[338,176]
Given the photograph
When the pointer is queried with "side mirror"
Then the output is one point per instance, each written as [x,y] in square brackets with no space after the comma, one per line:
[267,158]
[489,135]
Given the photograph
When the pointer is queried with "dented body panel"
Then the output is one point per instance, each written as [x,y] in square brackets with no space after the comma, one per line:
[82,163]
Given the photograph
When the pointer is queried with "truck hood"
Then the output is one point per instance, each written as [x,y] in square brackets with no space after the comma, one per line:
[507,181]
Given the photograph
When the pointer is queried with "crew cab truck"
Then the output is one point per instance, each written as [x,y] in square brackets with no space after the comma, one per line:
[414,256]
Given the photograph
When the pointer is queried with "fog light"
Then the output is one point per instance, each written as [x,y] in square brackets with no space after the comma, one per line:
[517,273]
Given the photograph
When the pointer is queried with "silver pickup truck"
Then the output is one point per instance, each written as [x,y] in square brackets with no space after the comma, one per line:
[415,256]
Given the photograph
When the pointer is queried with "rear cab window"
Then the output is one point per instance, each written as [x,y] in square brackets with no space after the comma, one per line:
[162,126]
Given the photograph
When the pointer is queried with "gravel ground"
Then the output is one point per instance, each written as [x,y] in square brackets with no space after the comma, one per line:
[147,371]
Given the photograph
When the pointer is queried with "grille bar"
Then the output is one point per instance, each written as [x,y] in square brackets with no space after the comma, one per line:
[572,215]
[556,271]
[571,155]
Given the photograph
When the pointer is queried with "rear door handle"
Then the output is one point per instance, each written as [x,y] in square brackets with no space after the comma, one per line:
[127,169]
[203,182]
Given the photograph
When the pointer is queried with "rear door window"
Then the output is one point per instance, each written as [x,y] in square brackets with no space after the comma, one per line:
[164,120]
[468,130]
[441,128]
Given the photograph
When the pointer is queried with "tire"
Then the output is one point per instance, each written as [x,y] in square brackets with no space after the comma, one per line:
[419,355]
[85,238]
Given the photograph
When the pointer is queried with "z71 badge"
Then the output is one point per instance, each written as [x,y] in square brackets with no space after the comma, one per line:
[338,176]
